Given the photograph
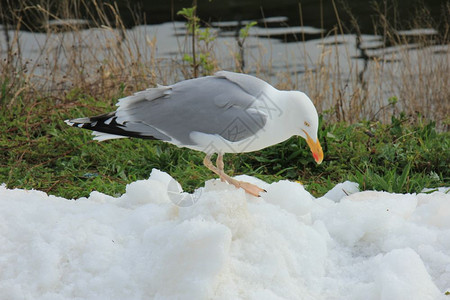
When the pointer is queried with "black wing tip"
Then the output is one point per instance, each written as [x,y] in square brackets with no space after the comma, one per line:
[98,124]
[90,122]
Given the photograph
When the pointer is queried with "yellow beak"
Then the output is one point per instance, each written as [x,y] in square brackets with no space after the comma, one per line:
[315,147]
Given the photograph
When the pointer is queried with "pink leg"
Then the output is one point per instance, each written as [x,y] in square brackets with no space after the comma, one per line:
[220,165]
[248,187]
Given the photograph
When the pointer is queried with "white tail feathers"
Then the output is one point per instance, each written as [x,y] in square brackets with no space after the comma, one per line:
[102,136]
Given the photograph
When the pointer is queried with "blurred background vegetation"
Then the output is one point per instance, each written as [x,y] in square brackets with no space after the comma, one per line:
[385,119]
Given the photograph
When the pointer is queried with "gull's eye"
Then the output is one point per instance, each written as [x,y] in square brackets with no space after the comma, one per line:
[307,124]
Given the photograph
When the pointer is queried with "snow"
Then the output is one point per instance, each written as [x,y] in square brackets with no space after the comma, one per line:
[227,245]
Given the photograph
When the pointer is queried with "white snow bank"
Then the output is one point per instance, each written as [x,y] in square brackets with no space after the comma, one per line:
[228,245]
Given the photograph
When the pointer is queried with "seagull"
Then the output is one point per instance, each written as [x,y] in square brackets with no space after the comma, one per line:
[224,113]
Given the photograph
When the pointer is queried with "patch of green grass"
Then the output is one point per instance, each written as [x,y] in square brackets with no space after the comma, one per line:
[39,151]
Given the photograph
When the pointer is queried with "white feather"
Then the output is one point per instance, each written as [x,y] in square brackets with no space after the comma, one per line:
[102,136]
[68,122]
[148,94]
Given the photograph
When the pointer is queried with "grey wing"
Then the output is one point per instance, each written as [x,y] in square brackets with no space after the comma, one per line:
[211,105]
[252,85]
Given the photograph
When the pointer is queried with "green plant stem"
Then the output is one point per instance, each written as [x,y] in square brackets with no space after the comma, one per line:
[194,26]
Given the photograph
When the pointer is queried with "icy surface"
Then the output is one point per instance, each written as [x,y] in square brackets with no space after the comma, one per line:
[228,245]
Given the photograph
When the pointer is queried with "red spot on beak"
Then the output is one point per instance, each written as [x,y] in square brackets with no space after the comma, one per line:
[316,157]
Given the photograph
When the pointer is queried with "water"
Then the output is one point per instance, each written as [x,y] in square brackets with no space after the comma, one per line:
[315,13]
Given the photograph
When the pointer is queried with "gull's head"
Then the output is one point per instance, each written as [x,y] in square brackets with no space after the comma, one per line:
[307,123]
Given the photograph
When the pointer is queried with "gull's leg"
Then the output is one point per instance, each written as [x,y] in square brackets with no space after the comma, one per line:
[220,165]
[208,163]
[248,187]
